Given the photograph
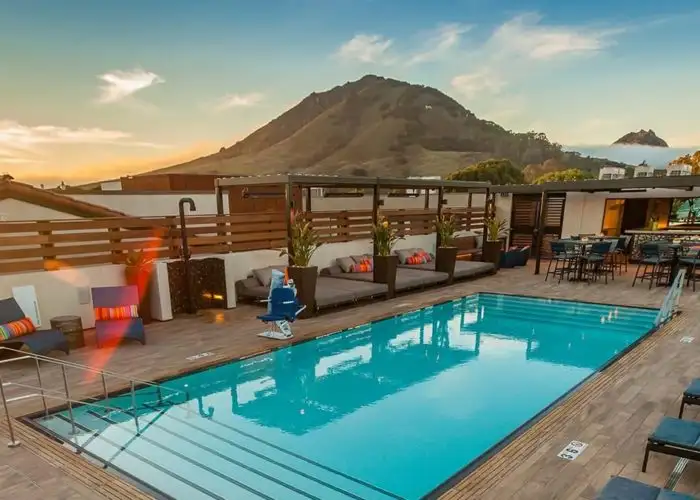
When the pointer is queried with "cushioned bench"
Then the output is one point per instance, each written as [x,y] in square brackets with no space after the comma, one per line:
[39,342]
[675,437]
[463,268]
[621,488]
[406,279]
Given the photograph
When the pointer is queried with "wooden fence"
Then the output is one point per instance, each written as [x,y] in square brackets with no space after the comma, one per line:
[50,245]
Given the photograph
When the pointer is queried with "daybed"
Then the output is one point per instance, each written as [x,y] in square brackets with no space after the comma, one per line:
[406,279]
[468,245]
[463,268]
[329,291]
[36,341]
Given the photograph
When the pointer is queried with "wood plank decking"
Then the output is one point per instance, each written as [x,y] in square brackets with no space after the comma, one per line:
[613,412]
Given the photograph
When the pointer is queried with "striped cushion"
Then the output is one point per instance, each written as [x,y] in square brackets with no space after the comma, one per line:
[124,312]
[425,256]
[16,329]
[364,266]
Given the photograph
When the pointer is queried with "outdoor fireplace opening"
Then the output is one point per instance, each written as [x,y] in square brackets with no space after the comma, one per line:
[208,284]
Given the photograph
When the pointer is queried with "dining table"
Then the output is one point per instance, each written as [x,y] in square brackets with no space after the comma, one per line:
[581,245]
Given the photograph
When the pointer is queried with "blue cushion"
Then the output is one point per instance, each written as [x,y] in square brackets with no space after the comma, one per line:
[10,311]
[621,488]
[272,317]
[115,296]
[40,342]
[689,260]
[682,433]
[116,330]
[694,388]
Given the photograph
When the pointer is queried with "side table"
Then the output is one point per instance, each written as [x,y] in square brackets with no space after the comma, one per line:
[72,328]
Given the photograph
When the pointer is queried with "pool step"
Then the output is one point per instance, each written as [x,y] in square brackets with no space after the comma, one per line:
[230,463]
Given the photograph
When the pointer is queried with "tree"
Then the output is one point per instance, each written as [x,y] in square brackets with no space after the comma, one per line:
[572,174]
[692,160]
[493,171]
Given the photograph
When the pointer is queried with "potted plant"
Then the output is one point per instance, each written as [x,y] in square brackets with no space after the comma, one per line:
[446,252]
[137,272]
[385,264]
[305,242]
[495,229]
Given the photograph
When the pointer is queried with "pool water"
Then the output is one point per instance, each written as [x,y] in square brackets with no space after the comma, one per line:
[391,409]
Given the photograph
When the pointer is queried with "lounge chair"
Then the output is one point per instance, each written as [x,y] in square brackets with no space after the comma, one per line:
[406,279]
[621,488]
[463,268]
[691,396]
[675,437]
[38,342]
[329,292]
[116,315]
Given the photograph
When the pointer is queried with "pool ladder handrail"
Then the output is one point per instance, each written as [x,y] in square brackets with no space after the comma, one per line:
[66,397]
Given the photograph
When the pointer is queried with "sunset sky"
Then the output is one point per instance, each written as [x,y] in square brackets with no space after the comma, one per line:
[92,90]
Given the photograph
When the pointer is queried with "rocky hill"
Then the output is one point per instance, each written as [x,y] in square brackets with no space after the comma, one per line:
[379,126]
[642,138]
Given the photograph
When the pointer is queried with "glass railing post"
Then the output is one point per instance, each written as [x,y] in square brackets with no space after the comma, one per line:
[13,442]
[68,400]
[41,387]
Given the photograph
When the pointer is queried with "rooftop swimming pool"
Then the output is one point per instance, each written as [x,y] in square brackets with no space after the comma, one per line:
[390,409]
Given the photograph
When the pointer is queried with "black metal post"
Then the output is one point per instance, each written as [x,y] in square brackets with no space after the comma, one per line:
[289,206]
[186,251]
[308,199]
[441,194]
[375,212]
[219,200]
[426,205]
[487,215]
[540,231]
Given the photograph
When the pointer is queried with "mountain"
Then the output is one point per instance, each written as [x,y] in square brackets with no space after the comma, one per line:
[642,138]
[379,126]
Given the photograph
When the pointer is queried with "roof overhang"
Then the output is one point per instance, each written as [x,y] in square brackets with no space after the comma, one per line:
[687,182]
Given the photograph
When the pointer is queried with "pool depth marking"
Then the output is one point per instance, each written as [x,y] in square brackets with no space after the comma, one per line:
[572,450]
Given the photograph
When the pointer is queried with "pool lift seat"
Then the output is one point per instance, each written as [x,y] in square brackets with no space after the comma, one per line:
[283,310]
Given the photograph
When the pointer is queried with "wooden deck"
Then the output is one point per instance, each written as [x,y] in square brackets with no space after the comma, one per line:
[613,412]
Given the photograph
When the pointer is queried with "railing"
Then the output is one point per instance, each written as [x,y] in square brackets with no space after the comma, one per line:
[64,394]
[672,299]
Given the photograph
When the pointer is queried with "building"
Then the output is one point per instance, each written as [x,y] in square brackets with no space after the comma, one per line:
[682,169]
[644,170]
[609,173]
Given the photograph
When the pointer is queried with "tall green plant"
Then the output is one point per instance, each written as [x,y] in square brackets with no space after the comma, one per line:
[446,225]
[305,242]
[384,236]
[495,228]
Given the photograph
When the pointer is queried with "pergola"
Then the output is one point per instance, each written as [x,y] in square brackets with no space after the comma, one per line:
[287,183]
[636,184]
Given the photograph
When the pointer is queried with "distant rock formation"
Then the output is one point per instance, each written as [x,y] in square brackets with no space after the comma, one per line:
[642,138]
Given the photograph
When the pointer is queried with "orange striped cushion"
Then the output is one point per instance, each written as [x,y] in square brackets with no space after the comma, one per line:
[110,313]
[16,329]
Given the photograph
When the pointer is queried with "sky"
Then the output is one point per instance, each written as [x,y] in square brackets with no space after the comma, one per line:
[93,90]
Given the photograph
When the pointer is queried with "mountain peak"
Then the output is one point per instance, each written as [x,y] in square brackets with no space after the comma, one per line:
[642,138]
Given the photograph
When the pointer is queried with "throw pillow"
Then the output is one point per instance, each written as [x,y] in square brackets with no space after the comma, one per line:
[264,275]
[404,255]
[346,264]
[425,256]
[16,329]
[115,313]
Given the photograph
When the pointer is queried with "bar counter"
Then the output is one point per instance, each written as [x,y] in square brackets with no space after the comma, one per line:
[641,236]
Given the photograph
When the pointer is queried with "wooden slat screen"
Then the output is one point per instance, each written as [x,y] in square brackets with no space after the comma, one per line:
[468,219]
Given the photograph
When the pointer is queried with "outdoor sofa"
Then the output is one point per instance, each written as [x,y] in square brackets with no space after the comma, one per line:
[406,279]
[464,269]
[329,291]
[36,341]
[621,488]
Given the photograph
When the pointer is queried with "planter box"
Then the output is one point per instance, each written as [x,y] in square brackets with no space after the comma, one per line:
[385,271]
[305,282]
[492,252]
[445,258]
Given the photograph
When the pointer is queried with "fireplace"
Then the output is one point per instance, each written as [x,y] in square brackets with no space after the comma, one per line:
[208,284]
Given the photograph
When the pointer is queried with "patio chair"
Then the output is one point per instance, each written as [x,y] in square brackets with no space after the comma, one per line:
[675,437]
[652,255]
[564,262]
[690,260]
[117,315]
[283,310]
[691,396]
[598,262]
[13,322]
[621,488]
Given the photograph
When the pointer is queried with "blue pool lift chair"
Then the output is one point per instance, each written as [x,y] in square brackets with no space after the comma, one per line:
[621,488]
[283,310]
[691,396]
[675,437]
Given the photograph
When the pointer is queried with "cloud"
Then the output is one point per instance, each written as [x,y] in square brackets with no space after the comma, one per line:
[526,35]
[366,49]
[440,42]
[118,85]
[481,81]
[240,100]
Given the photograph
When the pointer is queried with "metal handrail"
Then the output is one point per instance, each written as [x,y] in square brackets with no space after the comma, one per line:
[38,358]
[672,299]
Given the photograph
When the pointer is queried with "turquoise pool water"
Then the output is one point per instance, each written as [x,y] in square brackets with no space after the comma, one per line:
[390,409]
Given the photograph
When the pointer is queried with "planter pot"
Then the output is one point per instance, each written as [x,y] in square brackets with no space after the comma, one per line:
[445,258]
[491,252]
[385,272]
[305,282]
[140,277]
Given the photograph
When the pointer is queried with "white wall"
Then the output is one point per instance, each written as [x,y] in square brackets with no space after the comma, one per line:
[583,213]
[58,291]
[15,210]
[151,204]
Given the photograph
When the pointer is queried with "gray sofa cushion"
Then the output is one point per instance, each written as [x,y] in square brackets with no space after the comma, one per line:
[463,268]
[345,263]
[416,278]
[251,288]
[264,275]
[404,254]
